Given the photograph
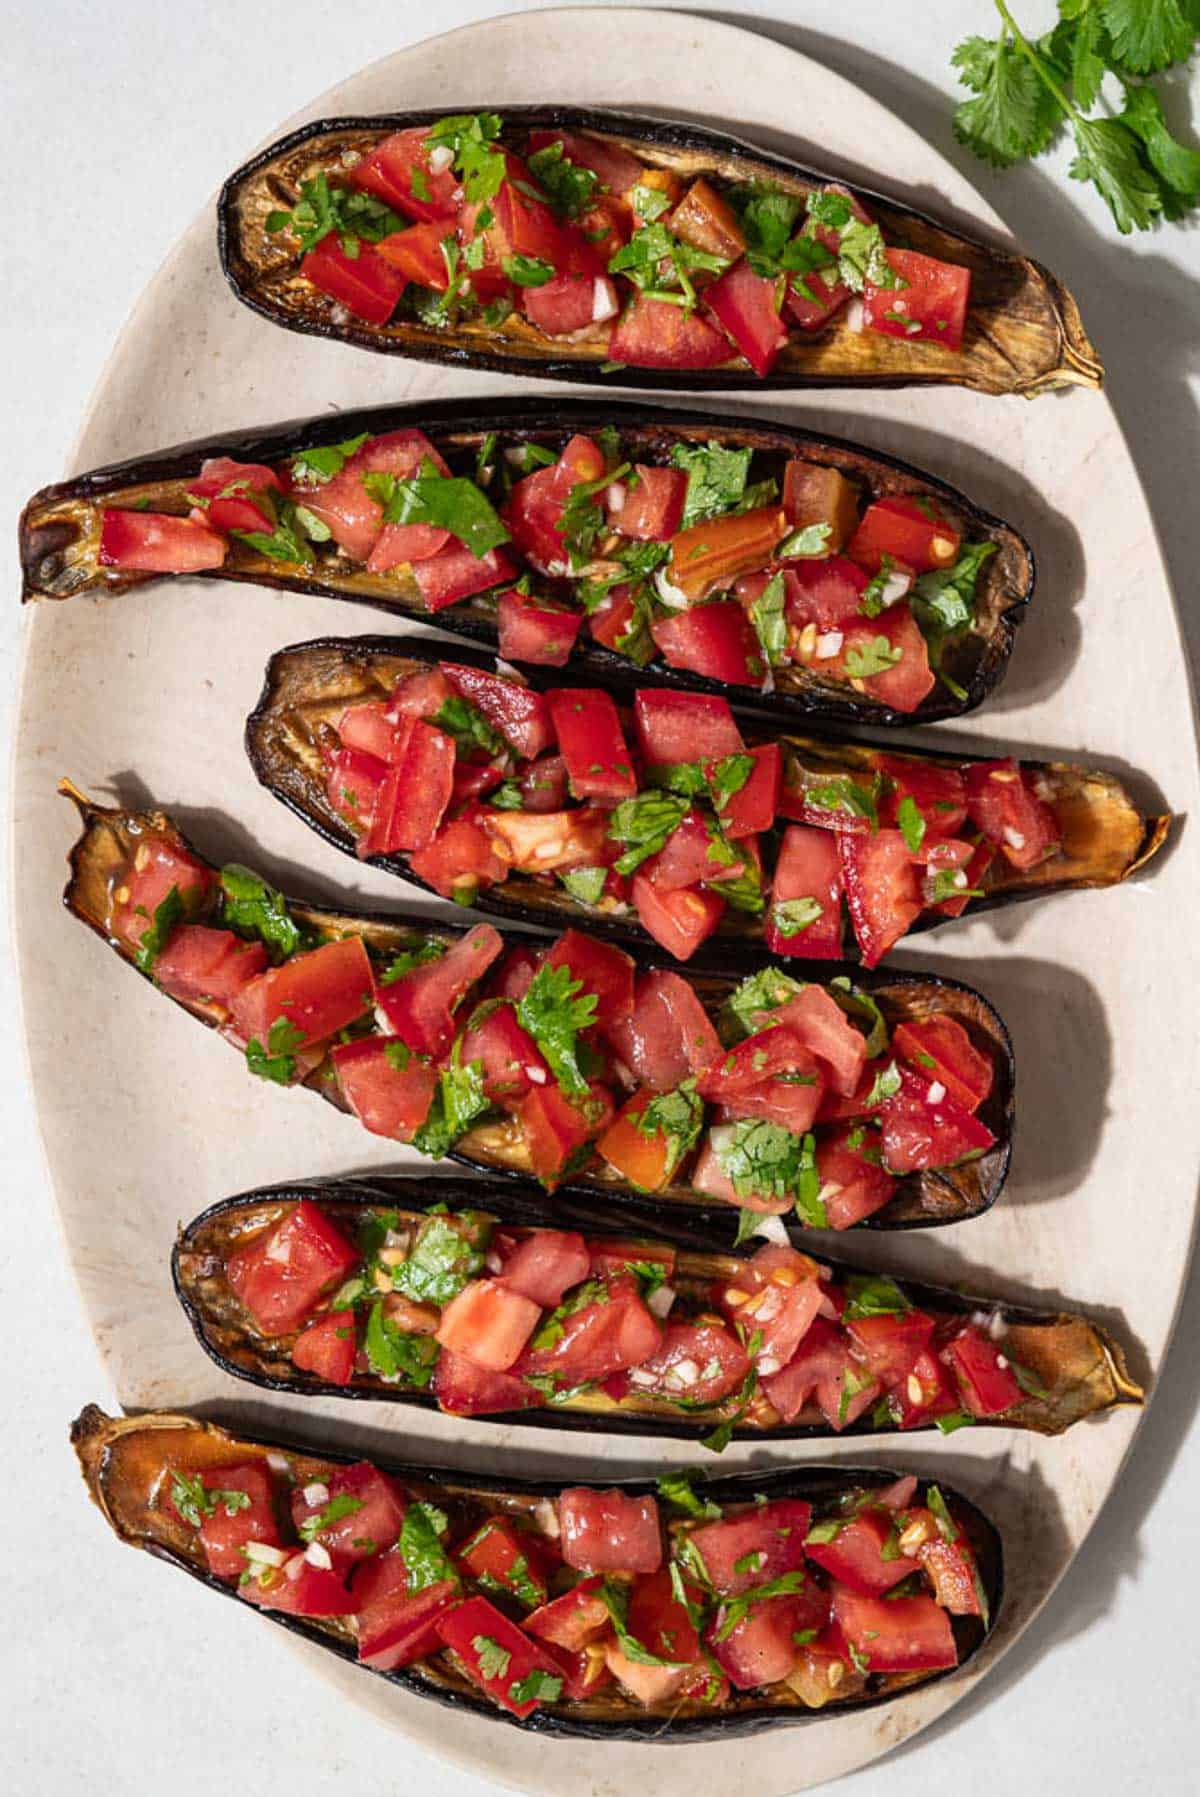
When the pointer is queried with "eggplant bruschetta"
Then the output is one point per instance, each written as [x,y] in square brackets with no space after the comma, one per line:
[830,1103]
[550,804]
[574,244]
[830,580]
[450,1293]
[670,1614]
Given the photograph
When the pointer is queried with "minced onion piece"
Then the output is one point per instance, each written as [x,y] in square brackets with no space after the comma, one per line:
[261,1553]
[829,644]
[279,1463]
[640,1376]
[772,1228]
[316,1495]
[604,300]
[614,496]
[545,1514]
[683,1373]
[318,1555]
[440,158]
[937,1092]
[854,316]
[895,586]
[768,1364]
[659,1303]
[669,593]
[1013,838]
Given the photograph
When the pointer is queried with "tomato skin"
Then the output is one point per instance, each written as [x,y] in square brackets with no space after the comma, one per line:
[951,1568]
[387,173]
[371,730]
[326,1348]
[476,1619]
[722,1362]
[159,863]
[546,1264]
[299,1589]
[533,631]
[900,1634]
[757,1061]
[883,895]
[890,1346]
[420,1004]
[935,300]
[1004,806]
[588,728]
[603,969]
[770,1536]
[754,806]
[855,1557]
[282,1275]
[570,302]
[396,1627]
[652,333]
[760,1649]
[683,727]
[223,1536]
[249,507]
[823,1027]
[199,963]
[710,555]
[389,1100]
[158,543]
[464,1389]
[494,1555]
[415,794]
[365,284]
[921,1129]
[518,712]
[939,793]
[716,640]
[909,530]
[512,1061]
[608,1531]
[988,1388]
[669,1035]
[864,1187]
[744,305]
[456,574]
[574,1619]
[488,1323]
[941,1048]
[808,866]
[652,510]
[317,993]
[555,1128]
[679,921]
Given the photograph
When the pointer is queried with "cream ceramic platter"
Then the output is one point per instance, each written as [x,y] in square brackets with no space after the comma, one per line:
[147,1118]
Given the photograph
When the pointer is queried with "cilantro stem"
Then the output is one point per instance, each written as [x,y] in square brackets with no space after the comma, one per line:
[1039,68]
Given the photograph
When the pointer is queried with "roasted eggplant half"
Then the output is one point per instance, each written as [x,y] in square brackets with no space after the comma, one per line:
[587,814]
[413,1289]
[826,579]
[888,1100]
[468,1590]
[581,245]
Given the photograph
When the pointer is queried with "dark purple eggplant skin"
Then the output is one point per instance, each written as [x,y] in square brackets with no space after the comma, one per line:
[1019,308]
[743,1714]
[526,1206]
[556,909]
[978,665]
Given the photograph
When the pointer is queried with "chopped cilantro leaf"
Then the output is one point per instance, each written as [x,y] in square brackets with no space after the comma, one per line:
[554,1009]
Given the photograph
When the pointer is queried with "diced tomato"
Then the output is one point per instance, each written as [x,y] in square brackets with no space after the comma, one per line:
[883,894]
[457,860]
[387,172]
[924,1127]
[457,574]
[754,806]
[777,1296]
[864,1555]
[535,631]
[821,1024]
[839,1108]
[747,307]
[808,867]
[370,1509]
[396,1626]
[708,222]
[826,593]
[700,1363]
[506,1661]
[984,1375]
[518,712]
[823,294]
[608,1531]
[645,1158]
[158,543]
[570,302]
[603,969]
[650,1685]
[709,1177]
[574,1619]
[417,254]
[534,509]
[547,842]
[932,305]
[613,1330]
[684,727]
[556,1128]
[909,678]
[402,545]
[498,1555]
[327,1348]
[852,1186]
[680,921]
[938,793]
[669,1035]
[709,556]
[751,1547]
[544,784]
[237,495]
[388,1088]
[759,1061]
[420,1004]
[820,1360]
[982,856]
[589,735]
[365,284]
[212,966]
[941,1049]
[614,617]
[1003,804]
[371,730]
[895,1634]
[890,1346]
[159,865]
[615,168]
[651,508]
[226,1532]
[545,1264]
[415,793]
[926,1393]
[951,1568]
[280,1276]
[910,530]
[464,1389]
[316,993]
[761,1648]
[661,1624]
[715,640]
[651,333]
[689,856]
[299,1589]
[488,1323]
[512,1061]
[816,494]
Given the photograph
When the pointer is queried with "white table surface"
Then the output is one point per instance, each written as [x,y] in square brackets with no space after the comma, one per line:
[120,120]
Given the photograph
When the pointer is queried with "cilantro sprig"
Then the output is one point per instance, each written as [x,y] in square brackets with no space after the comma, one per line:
[448,502]
[1025,91]
[349,214]
[553,1009]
